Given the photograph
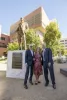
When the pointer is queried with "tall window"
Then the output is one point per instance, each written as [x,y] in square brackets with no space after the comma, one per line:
[3,45]
[2,38]
[62,41]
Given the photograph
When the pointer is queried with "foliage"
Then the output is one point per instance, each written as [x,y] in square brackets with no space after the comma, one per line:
[59,60]
[60,49]
[32,38]
[3,59]
[65,52]
[52,36]
[13,46]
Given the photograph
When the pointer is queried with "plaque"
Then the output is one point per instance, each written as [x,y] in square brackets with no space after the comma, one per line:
[17,60]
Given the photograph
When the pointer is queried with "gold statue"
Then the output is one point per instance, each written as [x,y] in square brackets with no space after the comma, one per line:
[21,31]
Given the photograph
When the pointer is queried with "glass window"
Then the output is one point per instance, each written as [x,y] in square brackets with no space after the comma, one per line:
[3,45]
[2,38]
[62,41]
[65,40]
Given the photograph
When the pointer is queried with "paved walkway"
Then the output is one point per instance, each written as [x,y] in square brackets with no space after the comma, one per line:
[3,65]
[12,89]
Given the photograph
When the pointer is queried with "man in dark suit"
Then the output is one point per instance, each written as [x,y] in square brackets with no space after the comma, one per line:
[29,66]
[48,64]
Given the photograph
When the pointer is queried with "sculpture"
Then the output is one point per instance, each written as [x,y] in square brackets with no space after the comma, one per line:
[21,31]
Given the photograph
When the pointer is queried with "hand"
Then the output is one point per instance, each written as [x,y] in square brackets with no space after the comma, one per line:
[26,64]
[33,59]
[41,59]
[49,64]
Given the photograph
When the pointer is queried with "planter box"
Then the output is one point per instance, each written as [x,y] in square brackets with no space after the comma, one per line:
[63,71]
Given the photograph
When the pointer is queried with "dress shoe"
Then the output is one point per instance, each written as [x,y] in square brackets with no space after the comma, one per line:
[31,82]
[54,86]
[36,83]
[39,82]
[47,83]
[25,86]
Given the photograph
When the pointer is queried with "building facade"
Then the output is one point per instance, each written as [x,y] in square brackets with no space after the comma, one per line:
[37,20]
[64,42]
[4,40]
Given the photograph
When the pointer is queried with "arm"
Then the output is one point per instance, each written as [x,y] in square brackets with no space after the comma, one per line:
[26,56]
[42,58]
[50,55]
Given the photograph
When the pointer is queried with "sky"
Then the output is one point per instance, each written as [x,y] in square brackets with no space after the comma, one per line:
[12,10]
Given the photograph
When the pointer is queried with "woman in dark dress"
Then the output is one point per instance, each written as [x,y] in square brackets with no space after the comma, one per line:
[37,65]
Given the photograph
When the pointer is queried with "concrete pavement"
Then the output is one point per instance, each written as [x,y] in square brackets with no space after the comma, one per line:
[12,89]
[3,65]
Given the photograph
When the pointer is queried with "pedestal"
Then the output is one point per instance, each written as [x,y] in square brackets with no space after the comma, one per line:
[16,64]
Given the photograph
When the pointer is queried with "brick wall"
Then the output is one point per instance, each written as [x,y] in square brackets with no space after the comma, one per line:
[2,50]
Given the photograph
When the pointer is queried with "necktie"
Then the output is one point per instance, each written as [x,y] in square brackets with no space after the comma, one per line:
[32,52]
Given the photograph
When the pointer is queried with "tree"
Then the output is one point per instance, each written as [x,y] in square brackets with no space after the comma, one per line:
[65,52]
[13,46]
[32,38]
[61,49]
[52,36]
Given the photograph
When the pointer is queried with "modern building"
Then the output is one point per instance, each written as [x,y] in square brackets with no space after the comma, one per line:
[4,40]
[37,20]
[64,42]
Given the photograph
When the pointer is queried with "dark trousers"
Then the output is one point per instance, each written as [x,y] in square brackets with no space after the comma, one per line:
[45,66]
[28,69]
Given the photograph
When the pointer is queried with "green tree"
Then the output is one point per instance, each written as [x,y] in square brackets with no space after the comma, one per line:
[32,38]
[65,52]
[61,49]
[52,36]
[13,46]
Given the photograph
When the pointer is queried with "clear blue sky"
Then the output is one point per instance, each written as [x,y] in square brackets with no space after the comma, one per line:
[12,10]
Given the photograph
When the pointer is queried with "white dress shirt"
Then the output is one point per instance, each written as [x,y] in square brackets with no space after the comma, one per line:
[31,52]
